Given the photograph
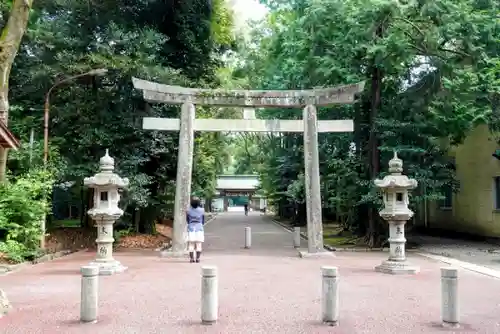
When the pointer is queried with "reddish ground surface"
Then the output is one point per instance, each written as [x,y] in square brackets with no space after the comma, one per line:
[266,289]
[75,238]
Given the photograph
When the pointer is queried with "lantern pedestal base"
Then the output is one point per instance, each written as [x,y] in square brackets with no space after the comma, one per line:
[397,268]
[304,254]
[109,267]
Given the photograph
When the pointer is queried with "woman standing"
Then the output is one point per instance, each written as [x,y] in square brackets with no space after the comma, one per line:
[195,232]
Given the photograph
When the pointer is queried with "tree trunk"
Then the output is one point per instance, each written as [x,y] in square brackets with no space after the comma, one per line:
[372,236]
[10,38]
[208,205]
[301,215]
[295,212]
[82,206]
[148,219]
[88,223]
[136,218]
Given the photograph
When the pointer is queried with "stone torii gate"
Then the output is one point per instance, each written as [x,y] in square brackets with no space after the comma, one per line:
[188,124]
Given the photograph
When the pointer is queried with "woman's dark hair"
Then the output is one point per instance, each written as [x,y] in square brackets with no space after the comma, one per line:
[195,202]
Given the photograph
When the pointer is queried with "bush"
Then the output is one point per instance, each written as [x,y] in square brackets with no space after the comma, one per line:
[23,206]
[17,252]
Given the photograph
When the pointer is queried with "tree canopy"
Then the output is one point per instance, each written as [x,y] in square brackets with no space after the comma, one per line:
[173,42]
[431,71]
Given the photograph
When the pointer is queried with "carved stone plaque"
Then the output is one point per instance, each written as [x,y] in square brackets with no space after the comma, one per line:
[103,251]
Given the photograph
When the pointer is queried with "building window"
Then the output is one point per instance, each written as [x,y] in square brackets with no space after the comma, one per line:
[446,203]
[496,192]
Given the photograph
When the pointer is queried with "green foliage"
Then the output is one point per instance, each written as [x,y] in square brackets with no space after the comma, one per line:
[246,154]
[23,205]
[17,252]
[30,157]
[431,73]
[222,24]
[210,158]
[177,43]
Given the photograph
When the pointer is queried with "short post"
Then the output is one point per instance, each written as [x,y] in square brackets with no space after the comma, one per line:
[449,297]
[330,296]
[89,293]
[296,237]
[248,237]
[209,295]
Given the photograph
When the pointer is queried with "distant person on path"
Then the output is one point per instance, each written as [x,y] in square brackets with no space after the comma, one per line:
[195,233]
[246,209]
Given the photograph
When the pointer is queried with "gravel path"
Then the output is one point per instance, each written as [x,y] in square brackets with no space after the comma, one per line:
[480,253]
[266,289]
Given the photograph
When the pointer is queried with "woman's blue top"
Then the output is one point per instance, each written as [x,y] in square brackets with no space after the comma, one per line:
[195,219]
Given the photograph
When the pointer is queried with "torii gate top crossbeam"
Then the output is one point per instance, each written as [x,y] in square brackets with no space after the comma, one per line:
[160,93]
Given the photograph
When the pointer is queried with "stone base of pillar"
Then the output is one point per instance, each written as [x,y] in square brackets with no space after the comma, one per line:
[306,255]
[171,254]
[109,267]
[397,268]
[448,325]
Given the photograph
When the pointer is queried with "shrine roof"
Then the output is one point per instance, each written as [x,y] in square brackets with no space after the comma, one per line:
[237,182]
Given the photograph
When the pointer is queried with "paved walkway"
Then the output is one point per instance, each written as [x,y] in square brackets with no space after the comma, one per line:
[266,289]
[226,235]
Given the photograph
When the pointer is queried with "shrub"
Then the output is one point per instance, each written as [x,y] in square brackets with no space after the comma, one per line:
[17,252]
[23,206]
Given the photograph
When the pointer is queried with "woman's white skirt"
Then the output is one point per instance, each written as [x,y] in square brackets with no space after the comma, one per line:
[198,236]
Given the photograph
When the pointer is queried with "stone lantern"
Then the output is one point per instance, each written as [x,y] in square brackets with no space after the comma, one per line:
[396,212]
[105,212]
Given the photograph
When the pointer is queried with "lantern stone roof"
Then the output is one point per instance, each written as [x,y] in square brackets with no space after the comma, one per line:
[396,179]
[106,177]
[7,139]
[105,213]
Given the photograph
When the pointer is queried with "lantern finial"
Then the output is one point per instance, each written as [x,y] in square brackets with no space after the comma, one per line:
[395,164]
[107,163]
